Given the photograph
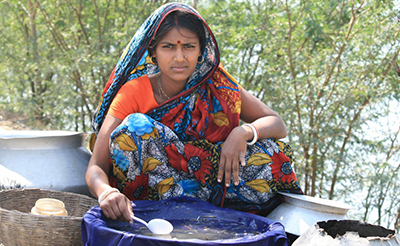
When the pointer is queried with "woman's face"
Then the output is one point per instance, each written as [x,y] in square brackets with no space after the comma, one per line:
[177,54]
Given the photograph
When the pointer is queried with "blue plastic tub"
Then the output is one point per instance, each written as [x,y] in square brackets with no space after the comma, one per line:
[195,223]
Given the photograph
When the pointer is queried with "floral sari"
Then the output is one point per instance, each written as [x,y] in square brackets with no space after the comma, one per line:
[174,150]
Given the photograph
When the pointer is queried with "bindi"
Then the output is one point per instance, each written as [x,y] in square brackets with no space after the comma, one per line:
[179,42]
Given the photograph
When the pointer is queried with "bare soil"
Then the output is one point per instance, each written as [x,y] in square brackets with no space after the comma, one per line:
[12,121]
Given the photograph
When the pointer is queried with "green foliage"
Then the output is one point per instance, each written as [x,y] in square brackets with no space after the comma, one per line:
[60,55]
[325,66]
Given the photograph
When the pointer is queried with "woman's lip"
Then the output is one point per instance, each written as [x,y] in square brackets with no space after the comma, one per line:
[179,68]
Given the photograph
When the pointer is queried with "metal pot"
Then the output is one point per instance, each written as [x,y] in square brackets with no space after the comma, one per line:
[299,212]
[53,160]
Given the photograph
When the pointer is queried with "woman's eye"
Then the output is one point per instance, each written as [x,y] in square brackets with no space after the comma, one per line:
[189,46]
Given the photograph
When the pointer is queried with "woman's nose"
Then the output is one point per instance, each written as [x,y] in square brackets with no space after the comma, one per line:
[179,55]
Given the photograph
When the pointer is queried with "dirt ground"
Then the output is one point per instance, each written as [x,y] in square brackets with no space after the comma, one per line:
[12,121]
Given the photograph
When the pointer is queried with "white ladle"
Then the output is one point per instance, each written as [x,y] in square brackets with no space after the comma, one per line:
[156,226]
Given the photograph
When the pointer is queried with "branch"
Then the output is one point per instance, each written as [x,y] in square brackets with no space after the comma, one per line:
[78,15]
[98,25]
[302,140]
[105,18]
[58,38]
[343,148]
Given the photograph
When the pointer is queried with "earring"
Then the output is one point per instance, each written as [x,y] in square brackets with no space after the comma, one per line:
[200,61]
[154,60]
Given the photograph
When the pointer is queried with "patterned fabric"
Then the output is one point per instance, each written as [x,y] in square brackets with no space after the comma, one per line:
[150,162]
[174,150]
[135,61]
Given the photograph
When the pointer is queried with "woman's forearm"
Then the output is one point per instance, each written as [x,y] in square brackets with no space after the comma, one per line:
[98,169]
[270,127]
[97,180]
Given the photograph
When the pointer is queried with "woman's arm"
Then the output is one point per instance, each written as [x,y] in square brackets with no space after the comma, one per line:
[269,125]
[114,204]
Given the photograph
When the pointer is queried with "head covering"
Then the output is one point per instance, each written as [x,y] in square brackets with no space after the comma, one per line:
[210,93]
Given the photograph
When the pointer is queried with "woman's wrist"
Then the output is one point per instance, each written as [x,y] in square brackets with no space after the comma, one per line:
[255,133]
[107,192]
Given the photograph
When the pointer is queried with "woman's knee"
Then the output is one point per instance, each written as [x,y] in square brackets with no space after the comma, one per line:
[134,124]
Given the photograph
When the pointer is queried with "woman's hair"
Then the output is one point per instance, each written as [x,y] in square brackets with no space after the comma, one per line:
[180,19]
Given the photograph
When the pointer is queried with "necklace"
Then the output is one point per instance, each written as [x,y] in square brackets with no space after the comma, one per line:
[160,89]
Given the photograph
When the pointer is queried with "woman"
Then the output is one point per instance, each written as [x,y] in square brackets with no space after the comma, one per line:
[168,125]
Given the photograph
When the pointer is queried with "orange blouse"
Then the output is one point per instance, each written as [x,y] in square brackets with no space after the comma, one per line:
[135,96]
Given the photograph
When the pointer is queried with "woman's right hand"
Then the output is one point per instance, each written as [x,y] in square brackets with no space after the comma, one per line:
[117,207]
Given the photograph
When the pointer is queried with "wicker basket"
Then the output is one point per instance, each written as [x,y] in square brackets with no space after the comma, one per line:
[19,227]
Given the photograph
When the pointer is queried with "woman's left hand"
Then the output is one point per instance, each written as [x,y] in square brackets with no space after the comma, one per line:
[232,155]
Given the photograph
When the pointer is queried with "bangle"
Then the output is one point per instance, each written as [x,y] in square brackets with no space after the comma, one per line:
[255,134]
[107,192]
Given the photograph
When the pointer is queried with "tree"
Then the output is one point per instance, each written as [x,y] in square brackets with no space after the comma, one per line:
[60,55]
[324,66]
